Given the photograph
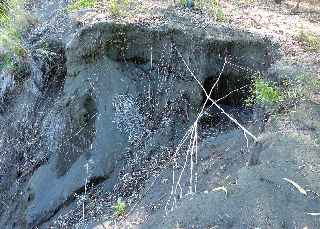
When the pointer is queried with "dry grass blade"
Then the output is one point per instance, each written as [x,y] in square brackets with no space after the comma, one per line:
[222,188]
[313,213]
[300,189]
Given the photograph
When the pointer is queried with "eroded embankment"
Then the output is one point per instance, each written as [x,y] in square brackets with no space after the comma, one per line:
[127,88]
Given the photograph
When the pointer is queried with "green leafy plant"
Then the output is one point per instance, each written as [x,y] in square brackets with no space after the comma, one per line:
[263,93]
[81,4]
[119,207]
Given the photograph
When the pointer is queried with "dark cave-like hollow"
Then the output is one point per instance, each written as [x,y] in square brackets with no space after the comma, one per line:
[232,89]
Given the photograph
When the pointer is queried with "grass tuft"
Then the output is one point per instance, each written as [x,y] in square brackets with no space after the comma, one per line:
[310,40]
[263,93]
[6,62]
[299,89]
[266,93]
[12,22]
[119,208]
[81,4]
[118,8]
[217,11]
[213,7]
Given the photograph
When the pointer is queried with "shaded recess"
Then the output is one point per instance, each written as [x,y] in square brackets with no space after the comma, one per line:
[232,89]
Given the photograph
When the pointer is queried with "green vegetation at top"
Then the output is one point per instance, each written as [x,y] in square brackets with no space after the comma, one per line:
[119,8]
[217,11]
[212,6]
[115,7]
[11,24]
[81,4]
[185,3]
[3,12]
[11,11]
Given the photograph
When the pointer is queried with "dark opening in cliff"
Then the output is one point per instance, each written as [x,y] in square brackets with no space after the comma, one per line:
[231,89]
